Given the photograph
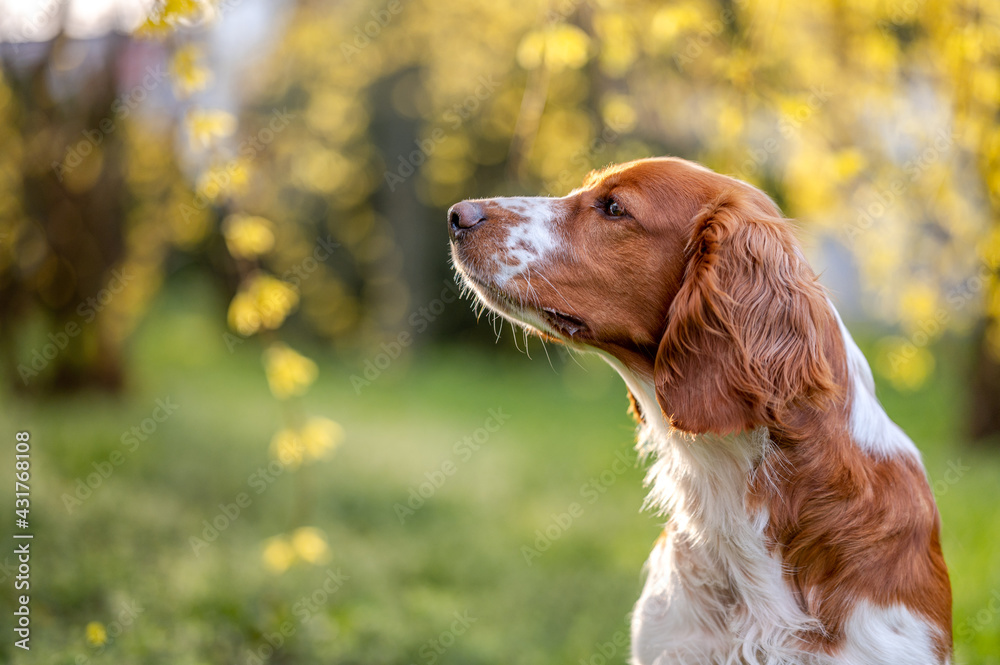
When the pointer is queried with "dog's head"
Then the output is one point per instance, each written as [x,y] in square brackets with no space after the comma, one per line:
[691,280]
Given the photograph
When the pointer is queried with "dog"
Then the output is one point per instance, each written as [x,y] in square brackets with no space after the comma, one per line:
[801,526]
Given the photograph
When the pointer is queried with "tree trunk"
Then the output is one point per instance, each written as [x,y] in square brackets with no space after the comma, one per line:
[985,394]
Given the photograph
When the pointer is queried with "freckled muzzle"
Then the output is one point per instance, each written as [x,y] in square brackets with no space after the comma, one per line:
[503,238]
[503,248]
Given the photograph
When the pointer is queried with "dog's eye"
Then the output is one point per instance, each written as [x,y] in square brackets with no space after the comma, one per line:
[614,209]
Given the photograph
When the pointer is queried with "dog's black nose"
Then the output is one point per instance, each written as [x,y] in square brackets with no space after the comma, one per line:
[463,216]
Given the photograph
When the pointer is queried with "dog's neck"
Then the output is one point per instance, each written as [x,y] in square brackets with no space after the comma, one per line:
[702,482]
[699,480]
[691,468]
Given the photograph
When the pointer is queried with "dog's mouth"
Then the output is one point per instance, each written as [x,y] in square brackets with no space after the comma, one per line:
[562,322]
[548,322]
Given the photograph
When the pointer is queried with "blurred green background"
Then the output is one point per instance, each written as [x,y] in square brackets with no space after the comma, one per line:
[263,427]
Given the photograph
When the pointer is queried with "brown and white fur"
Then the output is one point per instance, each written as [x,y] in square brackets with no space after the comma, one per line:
[801,525]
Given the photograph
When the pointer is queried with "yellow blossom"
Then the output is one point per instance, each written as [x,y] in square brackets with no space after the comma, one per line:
[224,179]
[288,372]
[263,302]
[989,248]
[205,127]
[187,72]
[248,236]
[917,304]
[560,47]
[310,544]
[567,47]
[165,15]
[904,363]
[96,634]
[275,300]
[320,436]
[243,316]
[278,554]
[618,113]
[287,448]
[730,121]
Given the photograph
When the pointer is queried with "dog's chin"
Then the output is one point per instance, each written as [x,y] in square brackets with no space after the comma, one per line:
[546,322]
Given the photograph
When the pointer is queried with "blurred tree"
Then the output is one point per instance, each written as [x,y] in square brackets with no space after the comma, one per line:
[64,224]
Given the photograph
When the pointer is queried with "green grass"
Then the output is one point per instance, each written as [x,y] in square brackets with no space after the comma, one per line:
[127,545]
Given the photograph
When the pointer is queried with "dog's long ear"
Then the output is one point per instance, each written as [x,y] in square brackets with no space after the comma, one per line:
[747,335]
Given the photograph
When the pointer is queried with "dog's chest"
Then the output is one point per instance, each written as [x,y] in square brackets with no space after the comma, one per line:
[712,575]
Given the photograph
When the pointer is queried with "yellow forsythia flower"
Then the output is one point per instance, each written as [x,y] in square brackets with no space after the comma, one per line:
[278,554]
[315,440]
[561,47]
[310,544]
[918,303]
[204,127]
[274,299]
[320,436]
[618,113]
[224,179]
[248,236]
[263,302]
[287,448]
[904,363]
[166,15]
[288,373]
[187,72]
[96,634]
[243,316]
[567,47]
